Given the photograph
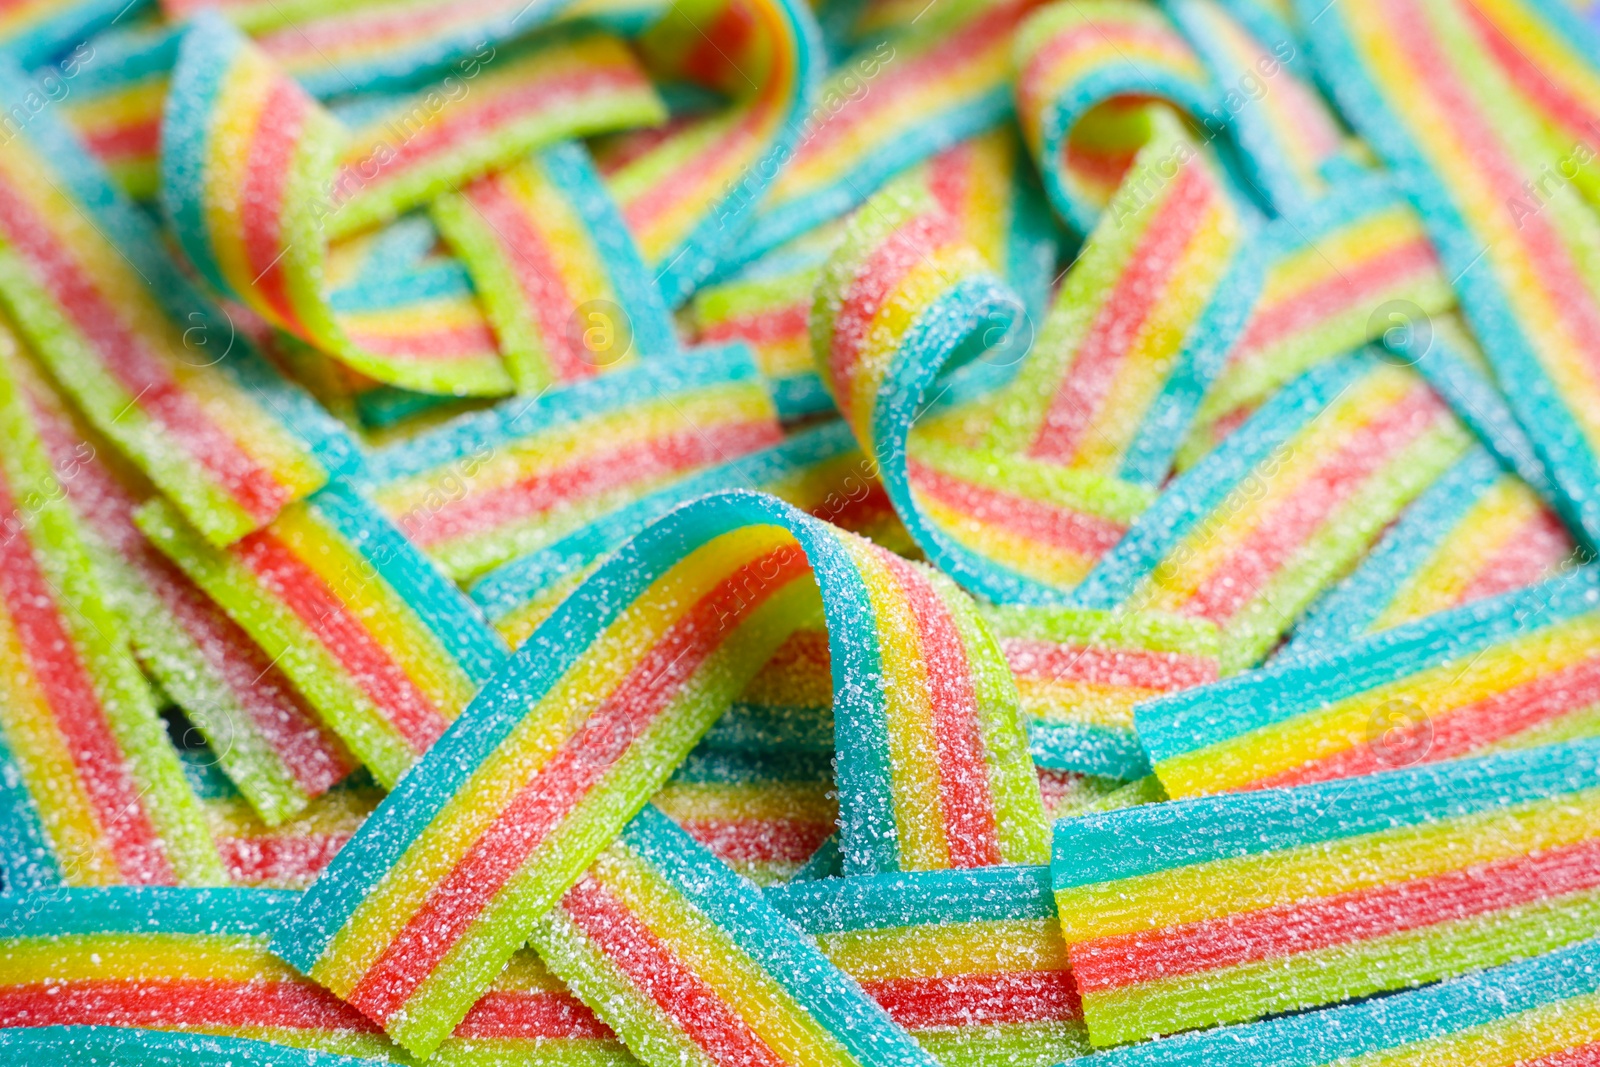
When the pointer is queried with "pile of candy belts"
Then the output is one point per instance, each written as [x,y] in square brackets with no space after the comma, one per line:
[799,533]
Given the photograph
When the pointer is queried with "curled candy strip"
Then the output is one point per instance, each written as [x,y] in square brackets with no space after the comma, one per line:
[257,177]
[610,693]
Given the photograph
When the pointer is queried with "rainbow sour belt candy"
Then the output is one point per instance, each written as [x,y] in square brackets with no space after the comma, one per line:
[196,961]
[269,741]
[1225,909]
[558,273]
[686,195]
[762,813]
[153,366]
[380,643]
[1478,532]
[1081,672]
[1426,89]
[485,489]
[1520,669]
[96,1046]
[90,791]
[688,963]
[970,962]
[1285,505]
[609,694]
[819,471]
[252,181]
[1544,1012]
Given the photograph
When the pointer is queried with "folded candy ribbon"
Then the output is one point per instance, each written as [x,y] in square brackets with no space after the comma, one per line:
[156,368]
[609,694]
[257,176]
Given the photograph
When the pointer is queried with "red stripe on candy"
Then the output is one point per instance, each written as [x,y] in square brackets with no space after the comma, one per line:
[1119,667]
[971,831]
[607,470]
[179,1003]
[984,999]
[519,1015]
[655,970]
[75,708]
[252,487]
[1112,963]
[1086,535]
[1127,306]
[555,789]
[366,662]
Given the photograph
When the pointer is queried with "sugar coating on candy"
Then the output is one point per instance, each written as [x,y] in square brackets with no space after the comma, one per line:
[1226,909]
[270,742]
[502,815]
[1543,1010]
[487,488]
[1440,97]
[558,273]
[117,324]
[384,648]
[94,794]
[1081,673]
[1508,672]
[971,963]
[689,963]
[763,813]
[196,961]
[1249,537]
[684,195]
[1477,532]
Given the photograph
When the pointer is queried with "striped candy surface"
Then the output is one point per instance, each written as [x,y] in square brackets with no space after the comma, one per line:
[971,963]
[1285,505]
[1516,670]
[383,647]
[611,692]
[269,740]
[1226,909]
[153,366]
[1539,1013]
[93,793]
[690,964]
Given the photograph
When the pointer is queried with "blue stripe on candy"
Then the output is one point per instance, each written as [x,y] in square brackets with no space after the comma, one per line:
[1206,715]
[97,1046]
[1316,1038]
[144,910]
[1138,841]
[1350,609]
[523,416]
[916,898]
[1198,492]
[738,909]
[573,171]
[1087,749]
[454,620]
[514,584]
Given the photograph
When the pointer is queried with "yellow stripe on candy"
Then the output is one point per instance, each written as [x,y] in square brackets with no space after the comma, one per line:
[1347,724]
[530,745]
[1185,895]
[944,949]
